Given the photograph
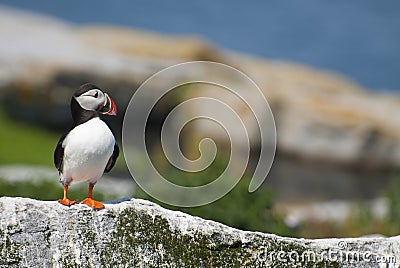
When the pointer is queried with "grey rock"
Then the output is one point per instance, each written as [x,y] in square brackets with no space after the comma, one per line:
[138,233]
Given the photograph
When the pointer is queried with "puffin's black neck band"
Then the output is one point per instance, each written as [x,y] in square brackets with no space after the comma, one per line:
[80,115]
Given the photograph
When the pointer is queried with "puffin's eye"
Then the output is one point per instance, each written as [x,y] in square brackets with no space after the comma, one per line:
[96,94]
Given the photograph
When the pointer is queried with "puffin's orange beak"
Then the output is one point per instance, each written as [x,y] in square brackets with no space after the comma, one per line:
[109,108]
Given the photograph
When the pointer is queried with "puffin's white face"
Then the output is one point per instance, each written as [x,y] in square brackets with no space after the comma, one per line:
[92,100]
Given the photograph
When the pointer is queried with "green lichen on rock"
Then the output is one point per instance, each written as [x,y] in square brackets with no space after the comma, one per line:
[161,244]
[139,233]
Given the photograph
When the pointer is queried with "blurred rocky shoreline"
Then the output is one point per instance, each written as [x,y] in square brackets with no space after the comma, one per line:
[333,136]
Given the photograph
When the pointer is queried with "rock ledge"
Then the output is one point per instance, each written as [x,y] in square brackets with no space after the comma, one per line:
[139,233]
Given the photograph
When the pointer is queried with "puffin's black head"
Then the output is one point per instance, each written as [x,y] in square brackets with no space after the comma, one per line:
[89,101]
[92,98]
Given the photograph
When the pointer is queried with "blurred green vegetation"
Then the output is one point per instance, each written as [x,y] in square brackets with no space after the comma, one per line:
[392,223]
[23,143]
[47,190]
[239,208]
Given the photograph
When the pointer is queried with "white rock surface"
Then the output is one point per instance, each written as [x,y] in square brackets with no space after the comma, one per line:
[138,233]
[336,211]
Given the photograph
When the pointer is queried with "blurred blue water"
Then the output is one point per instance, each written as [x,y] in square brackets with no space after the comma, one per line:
[359,38]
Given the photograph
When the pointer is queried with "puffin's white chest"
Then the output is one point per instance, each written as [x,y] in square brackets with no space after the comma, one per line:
[87,149]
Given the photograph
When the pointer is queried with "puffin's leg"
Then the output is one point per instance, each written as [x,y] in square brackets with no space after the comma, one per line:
[65,201]
[90,202]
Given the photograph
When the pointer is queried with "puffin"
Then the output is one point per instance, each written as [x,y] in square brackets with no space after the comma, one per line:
[89,148]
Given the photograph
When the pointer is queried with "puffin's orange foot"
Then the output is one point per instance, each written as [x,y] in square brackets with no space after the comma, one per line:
[67,202]
[93,203]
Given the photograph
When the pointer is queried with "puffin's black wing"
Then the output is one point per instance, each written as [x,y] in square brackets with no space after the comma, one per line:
[59,154]
[113,158]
